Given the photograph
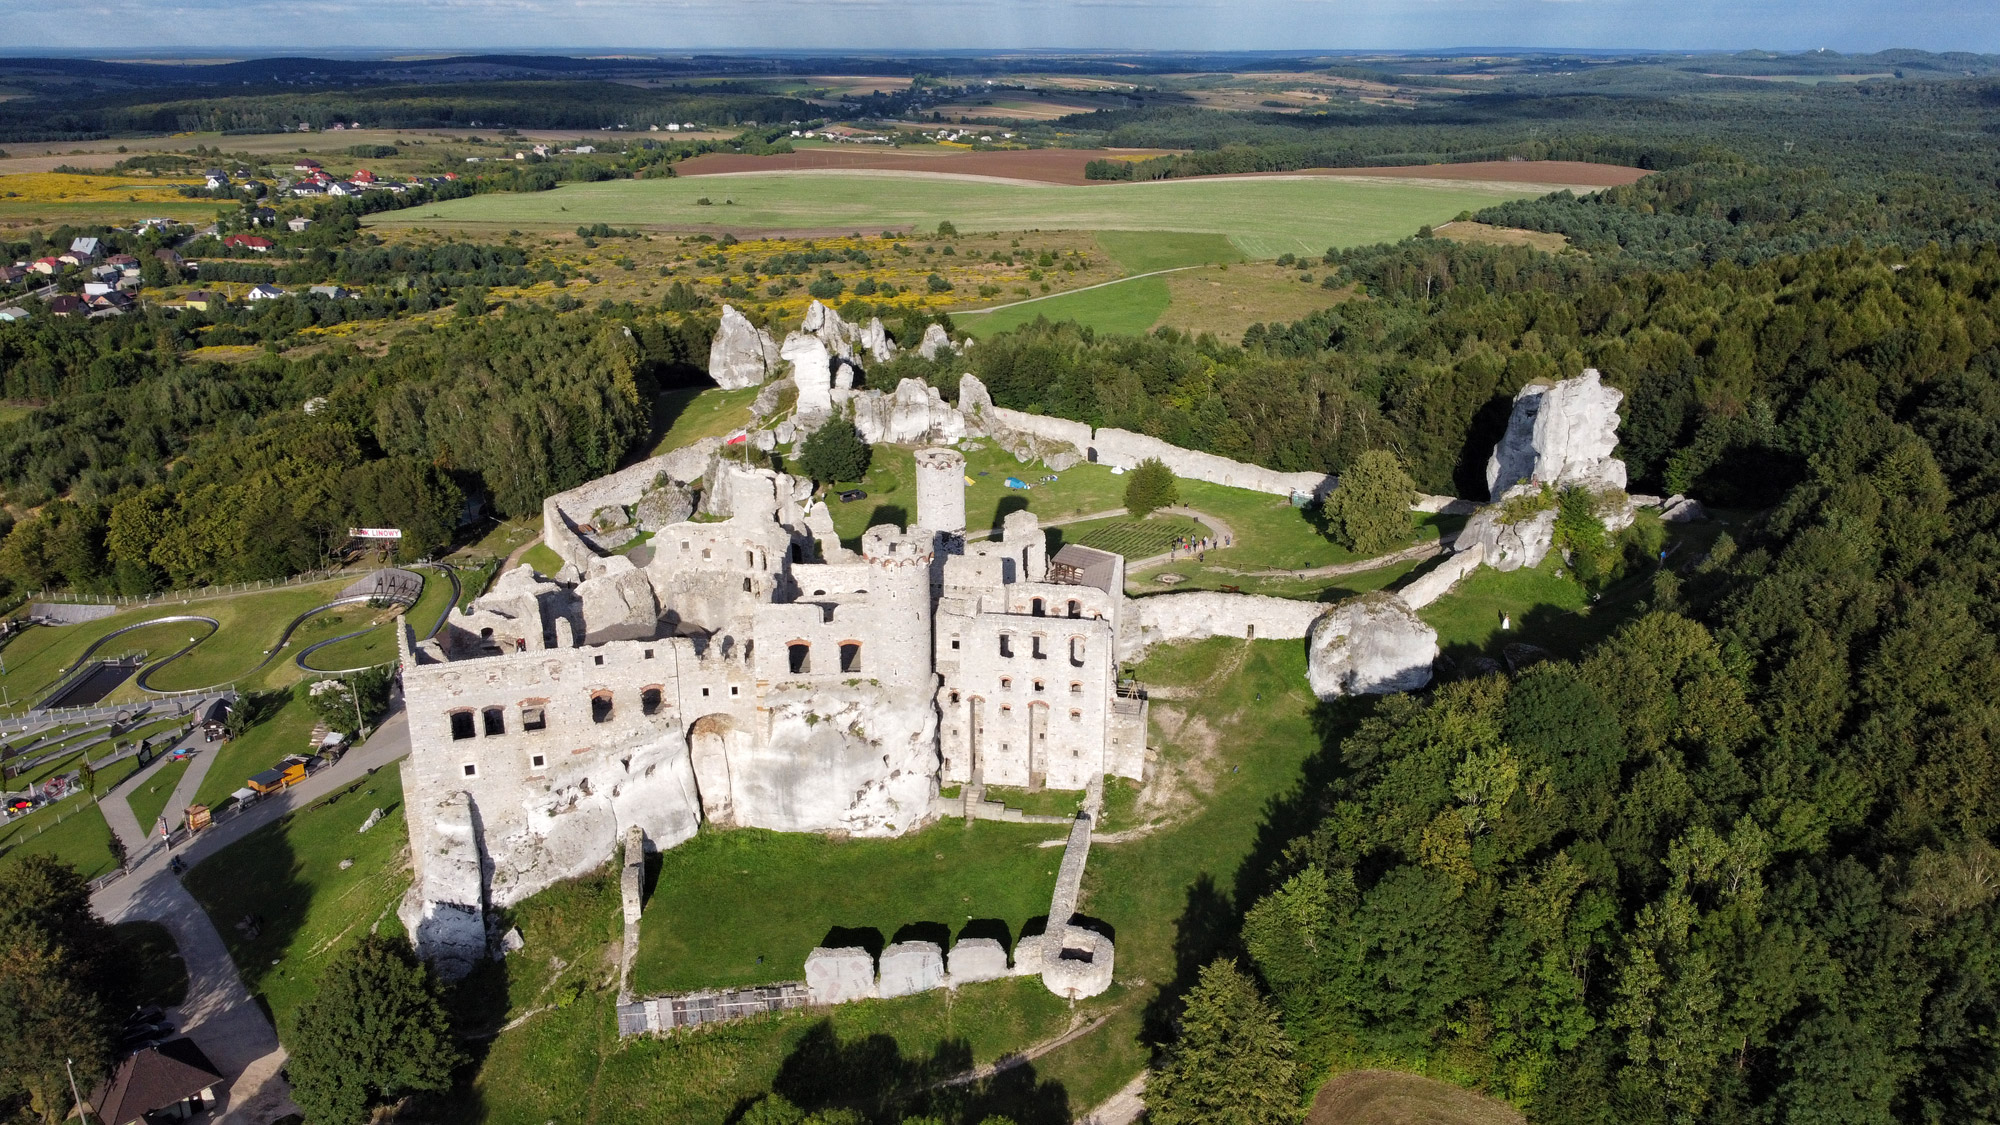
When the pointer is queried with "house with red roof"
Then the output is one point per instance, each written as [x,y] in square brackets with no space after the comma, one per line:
[249,242]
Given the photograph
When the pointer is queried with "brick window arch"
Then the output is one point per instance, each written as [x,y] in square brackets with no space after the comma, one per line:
[799,656]
[462,725]
[850,656]
[600,706]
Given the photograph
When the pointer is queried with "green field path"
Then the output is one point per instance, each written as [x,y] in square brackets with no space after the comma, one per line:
[1262,217]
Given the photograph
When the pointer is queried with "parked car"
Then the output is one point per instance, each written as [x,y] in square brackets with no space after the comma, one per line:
[851,495]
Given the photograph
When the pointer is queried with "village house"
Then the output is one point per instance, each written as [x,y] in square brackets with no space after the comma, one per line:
[264,293]
[65,305]
[86,247]
[13,313]
[298,224]
[255,242]
[201,300]
[306,164]
[172,1082]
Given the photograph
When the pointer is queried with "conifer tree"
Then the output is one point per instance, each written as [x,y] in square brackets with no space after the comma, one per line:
[1233,1063]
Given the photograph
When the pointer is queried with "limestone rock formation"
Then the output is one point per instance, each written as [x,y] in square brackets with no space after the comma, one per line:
[610,517]
[812,370]
[619,604]
[1370,645]
[668,501]
[444,910]
[1509,546]
[935,339]
[973,398]
[767,400]
[742,355]
[876,342]
[1062,460]
[1682,509]
[915,414]
[1560,434]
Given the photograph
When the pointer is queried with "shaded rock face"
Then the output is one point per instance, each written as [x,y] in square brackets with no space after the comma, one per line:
[742,355]
[876,342]
[666,503]
[1370,645]
[973,397]
[915,414]
[1560,434]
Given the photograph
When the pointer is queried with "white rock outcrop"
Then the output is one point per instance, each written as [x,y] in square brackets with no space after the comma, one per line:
[915,414]
[876,342]
[1682,509]
[742,355]
[667,502]
[812,371]
[1560,434]
[1370,645]
[935,339]
[1509,546]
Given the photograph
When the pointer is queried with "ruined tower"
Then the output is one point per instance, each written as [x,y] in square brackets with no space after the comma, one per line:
[941,490]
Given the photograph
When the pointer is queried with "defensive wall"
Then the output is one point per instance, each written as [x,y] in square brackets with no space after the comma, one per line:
[1201,614]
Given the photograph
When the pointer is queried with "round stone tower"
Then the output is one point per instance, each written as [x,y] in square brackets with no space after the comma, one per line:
[941,490]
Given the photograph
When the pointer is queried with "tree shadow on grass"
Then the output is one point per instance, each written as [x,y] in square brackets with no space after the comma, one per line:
[871,1075]
[1206,929]
[894,514]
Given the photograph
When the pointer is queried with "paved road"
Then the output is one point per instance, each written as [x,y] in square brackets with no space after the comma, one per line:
[219,1014]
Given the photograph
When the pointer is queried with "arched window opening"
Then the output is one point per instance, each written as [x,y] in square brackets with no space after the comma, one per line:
[1076,687]
[749,560]
[461,725]
[1076,652]
[1007,645]
[1035,607]
[1040,645]
[600,707]
[1006,684]
[486,634]
[1076,716]
[800,655]
[746,585]
[850,656]
[1075,608]
[496,720]
[649,701]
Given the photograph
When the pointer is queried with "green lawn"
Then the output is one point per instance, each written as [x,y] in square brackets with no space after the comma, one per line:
[1125,308]
[562,1059]
[251,624]
[288,875]
[746,906]
[148,796]
[378,644]
[1263,217]
[685,415]
[1143,251]
[80,838]
[543,559]
[1218,781]
[257,750]
[1037,802]
[1542,609]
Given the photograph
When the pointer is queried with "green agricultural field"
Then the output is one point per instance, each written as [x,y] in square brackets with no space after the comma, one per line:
[1143,251]
[1126,308]
[746,906]
[1263,217]
[288,875]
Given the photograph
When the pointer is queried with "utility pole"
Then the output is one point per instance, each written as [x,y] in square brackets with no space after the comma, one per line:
[69,1069]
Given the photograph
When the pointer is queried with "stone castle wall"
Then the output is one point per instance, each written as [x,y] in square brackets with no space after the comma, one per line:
[1200,614]
[1126,449]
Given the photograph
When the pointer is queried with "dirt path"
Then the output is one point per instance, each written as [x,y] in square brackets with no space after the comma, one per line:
[1078,1027]
[1218,530]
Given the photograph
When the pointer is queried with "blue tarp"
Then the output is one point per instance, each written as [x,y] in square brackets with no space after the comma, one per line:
[1017,482]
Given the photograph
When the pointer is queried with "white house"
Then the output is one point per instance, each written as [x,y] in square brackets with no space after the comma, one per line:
[265,293]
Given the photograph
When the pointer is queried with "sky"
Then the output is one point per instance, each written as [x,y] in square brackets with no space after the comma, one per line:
[310,26]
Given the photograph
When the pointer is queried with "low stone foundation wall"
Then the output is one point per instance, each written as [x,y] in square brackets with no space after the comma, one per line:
[1200,614]
[691,1009]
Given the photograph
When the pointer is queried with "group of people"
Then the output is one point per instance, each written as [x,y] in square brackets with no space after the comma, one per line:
[1198,547]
